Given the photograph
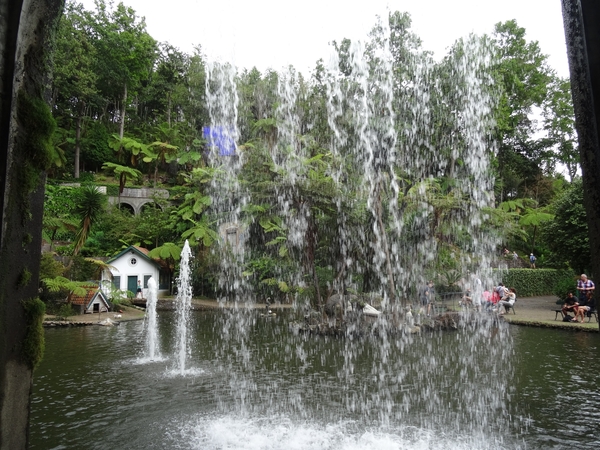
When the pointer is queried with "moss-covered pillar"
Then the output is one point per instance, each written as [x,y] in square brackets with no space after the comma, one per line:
[582,32]
[26,126]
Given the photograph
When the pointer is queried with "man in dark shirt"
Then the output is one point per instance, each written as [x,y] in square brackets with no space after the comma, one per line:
[570,305]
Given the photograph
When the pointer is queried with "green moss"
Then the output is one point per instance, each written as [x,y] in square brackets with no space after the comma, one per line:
[27,239]
[35,140]
[24,278]
[33,150]
[34,343]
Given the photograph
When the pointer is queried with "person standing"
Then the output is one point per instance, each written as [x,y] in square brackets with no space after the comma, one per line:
[427,297]
[584,285]
[138,294]
[532,259]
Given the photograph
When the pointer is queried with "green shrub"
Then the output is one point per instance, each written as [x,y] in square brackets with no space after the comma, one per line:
[564,285]
[86,177]
[532,282]
[66,310]
[117,297]
[112,190]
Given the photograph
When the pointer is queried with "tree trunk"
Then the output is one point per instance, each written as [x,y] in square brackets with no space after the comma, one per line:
[78,139]
[26,29]
[169,109]
[123,109]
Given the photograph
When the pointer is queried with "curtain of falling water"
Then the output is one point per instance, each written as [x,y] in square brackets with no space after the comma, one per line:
[389,137]
[229,198]
[396,141]
[290,162]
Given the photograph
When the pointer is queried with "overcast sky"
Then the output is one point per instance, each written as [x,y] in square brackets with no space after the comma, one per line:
[276,33]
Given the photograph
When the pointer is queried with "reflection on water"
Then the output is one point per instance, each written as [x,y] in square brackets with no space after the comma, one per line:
[478,388]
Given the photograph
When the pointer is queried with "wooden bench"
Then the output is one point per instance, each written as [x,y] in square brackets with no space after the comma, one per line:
[589,314]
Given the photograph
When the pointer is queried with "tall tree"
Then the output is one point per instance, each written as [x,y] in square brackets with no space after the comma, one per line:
[75,78]
[523,75]
[559,124]
[125,55]
[567,234]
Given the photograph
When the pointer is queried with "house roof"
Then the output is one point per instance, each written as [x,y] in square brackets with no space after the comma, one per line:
[86,300]
[83,299]
[143,252]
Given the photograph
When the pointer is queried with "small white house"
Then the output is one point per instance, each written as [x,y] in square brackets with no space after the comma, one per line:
[132,265]
[94,301]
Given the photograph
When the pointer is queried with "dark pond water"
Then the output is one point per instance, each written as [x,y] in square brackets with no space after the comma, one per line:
[251,384]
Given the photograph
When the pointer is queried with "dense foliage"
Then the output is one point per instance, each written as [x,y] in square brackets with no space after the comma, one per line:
[132,112]
[567,235]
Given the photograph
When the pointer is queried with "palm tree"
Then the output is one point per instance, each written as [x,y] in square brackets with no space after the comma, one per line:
[123,172]
[89,209]
[162,150]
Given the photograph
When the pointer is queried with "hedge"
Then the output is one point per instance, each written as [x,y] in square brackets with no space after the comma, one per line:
[533,282]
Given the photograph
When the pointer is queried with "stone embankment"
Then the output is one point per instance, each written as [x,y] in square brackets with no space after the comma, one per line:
[65,323]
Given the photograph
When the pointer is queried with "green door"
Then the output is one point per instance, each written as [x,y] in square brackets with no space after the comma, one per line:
[132,284]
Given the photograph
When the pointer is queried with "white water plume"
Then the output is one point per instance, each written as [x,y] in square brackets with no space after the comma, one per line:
[183,306]
[151,328]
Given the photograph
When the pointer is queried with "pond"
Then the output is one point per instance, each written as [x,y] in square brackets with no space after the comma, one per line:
[250,383]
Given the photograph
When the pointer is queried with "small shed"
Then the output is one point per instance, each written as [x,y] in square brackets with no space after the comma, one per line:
[94,301]
[132,265]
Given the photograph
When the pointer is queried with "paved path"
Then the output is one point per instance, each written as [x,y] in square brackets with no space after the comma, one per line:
[539,311]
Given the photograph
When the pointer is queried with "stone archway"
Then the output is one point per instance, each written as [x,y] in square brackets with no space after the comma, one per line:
[136,198]
[127,206]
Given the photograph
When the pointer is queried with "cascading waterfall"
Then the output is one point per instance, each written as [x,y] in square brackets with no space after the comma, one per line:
[228,201]
[151,328]
[409,168]
[183,307]
[289,160]
[228,196]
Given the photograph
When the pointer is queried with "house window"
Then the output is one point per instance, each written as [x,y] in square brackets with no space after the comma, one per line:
[116,282]
[146,278]
[133,261]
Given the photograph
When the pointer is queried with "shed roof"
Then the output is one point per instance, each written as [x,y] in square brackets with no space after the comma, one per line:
[86,300]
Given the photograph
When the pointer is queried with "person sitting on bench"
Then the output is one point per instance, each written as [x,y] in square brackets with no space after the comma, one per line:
[570,305]
[467,299]
[507,301]
[584,307]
